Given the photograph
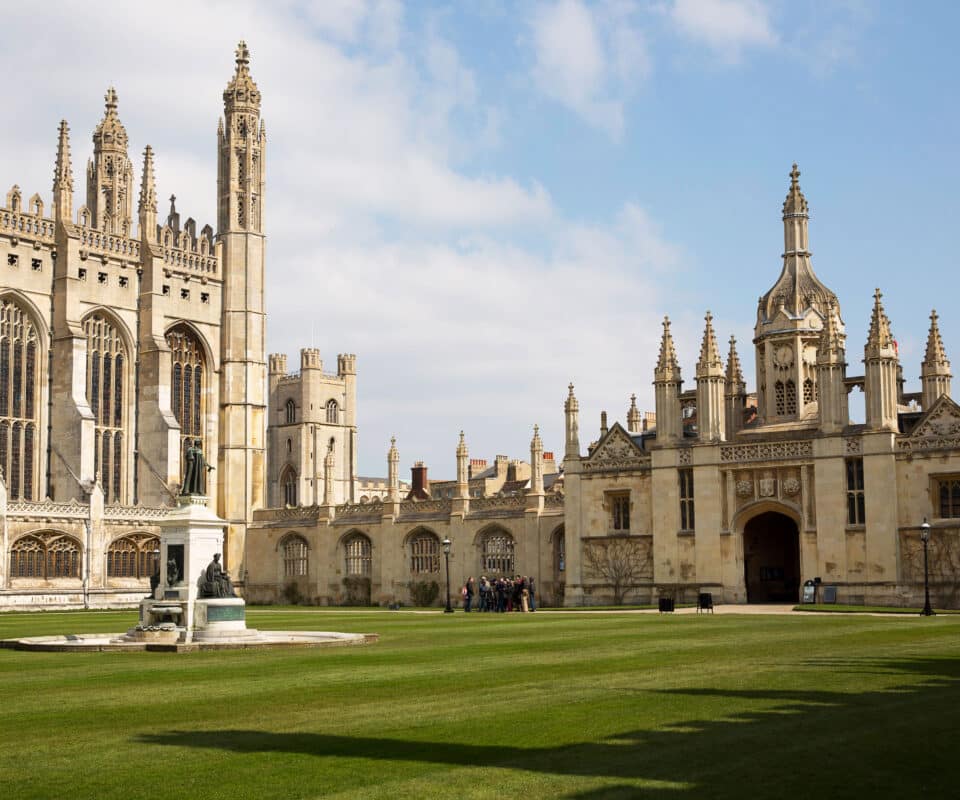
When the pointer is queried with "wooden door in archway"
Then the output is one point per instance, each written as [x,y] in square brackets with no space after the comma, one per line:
[771,559]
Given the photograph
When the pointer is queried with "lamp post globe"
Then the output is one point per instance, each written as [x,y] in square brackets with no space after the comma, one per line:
[925,538]
[446,543]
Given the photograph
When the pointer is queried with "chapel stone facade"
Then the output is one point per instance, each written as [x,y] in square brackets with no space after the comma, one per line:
[124,338]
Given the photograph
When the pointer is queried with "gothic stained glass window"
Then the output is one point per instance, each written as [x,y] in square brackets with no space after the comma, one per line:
[133,556]
[105,393]
[45,555]
[19,385]
[187,384]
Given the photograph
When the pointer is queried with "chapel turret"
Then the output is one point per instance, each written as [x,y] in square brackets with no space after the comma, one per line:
[790,317]
[110,173]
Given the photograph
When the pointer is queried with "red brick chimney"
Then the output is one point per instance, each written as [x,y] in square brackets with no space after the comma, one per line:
[420,488]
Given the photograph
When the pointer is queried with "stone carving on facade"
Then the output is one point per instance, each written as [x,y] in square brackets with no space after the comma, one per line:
[744,487]
[508,501]
[767,485]
[686,456]
[616,452]
[791,486]
[938,430]
[854,445]
[765,451]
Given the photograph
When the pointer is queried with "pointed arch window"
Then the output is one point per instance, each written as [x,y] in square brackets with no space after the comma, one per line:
[291,411]
[497,553]
[424,553]
[357,550]
[288,482]
[188,385]
[19,388]
[791,397]
[45,555]
[295,556]
[779,398]
[135,556]
[333,412]
[106,394]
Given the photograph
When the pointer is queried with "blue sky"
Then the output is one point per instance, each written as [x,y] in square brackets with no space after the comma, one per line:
[486,201]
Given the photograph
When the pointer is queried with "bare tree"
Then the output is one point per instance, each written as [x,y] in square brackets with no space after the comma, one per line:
[620,562]
[944,564]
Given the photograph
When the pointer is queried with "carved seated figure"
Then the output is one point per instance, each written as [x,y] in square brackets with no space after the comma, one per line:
[216,582]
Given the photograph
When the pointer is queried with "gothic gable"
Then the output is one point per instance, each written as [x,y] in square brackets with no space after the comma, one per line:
[942,421]
[615,451]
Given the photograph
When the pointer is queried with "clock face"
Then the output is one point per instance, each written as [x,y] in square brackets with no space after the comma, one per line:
[783,355]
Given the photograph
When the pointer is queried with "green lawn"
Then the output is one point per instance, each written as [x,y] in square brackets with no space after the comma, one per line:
[534,706]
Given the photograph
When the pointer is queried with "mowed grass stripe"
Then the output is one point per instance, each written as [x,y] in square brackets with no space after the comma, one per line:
[457,706]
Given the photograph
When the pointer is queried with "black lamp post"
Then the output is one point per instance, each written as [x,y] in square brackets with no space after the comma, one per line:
[925,537]
[446,556]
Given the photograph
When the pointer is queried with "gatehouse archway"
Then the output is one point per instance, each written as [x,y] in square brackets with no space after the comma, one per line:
[771,558]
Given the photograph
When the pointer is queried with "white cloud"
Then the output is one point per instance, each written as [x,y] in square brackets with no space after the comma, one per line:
[469,298]
[589,59]
[726,26]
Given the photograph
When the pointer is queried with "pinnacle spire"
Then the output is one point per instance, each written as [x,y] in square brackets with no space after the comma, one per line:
[147,207]
[830,350]
[667,366]
[734,369]
[935,355]
[633,416]
[242,93]
[536,441]
[710,362]
[796,203]
[462,445]
[63,176]
[571,403]
[879,336]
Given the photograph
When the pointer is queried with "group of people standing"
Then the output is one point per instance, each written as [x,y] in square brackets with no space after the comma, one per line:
[500,595]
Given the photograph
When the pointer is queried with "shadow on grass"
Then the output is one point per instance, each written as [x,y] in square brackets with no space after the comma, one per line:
[772,743]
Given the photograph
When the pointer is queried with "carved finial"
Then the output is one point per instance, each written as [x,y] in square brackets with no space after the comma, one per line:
[735,380]
[111,99]
[571,403]
[243,55]
[879,336]
[710,361]
[63,176]
[796,203]
[633,416]
[935,355]
[667,366]
[147,207]
[173,204]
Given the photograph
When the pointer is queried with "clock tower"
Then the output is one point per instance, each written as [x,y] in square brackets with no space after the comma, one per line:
[790,319]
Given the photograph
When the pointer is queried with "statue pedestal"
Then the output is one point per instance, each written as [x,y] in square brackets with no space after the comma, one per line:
[190,536]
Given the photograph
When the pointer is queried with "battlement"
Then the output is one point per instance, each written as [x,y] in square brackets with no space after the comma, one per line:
[346,364]
[30,223]
[278,363]
[186,250]
[310,358]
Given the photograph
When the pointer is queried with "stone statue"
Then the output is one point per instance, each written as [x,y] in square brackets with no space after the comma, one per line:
[173,572]
[195,471]
[216,582]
